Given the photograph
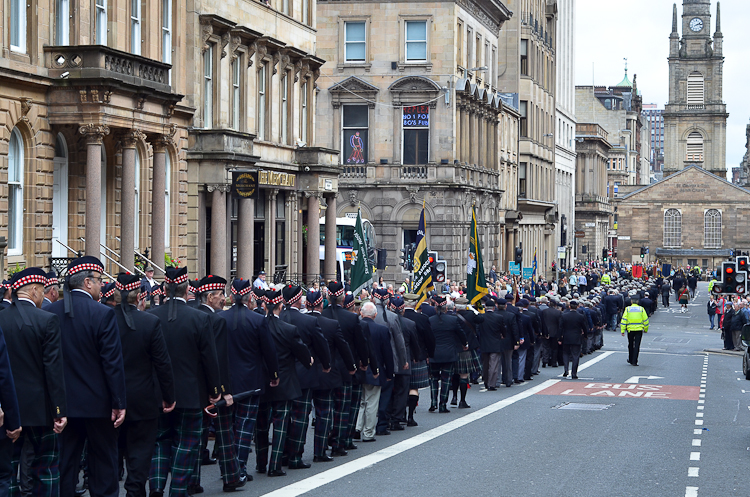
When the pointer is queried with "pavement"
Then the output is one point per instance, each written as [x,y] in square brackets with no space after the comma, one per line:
[676,425]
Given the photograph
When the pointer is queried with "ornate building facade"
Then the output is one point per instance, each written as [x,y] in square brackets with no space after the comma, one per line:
[695,119]
[409,95]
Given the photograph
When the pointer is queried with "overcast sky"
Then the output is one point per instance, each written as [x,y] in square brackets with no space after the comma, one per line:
[608,31]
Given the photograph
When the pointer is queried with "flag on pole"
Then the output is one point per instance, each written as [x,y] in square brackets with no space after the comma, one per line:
[475,279]
[422,270]
[533,273]
[361,269]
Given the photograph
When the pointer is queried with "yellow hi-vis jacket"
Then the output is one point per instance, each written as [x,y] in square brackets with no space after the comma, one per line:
[634,319]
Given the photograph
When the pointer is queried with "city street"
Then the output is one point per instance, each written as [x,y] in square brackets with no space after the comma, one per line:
[675,425]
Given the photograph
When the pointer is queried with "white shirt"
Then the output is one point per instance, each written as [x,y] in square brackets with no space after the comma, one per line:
[83,292]
[259,283]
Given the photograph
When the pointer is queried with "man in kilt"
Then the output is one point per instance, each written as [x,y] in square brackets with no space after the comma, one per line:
[192,350]
[419,377]
[449,340]
[346,401]
[468,360]
[276,403]
[309,380]
[252,365]
[342,362]
[33,343]
[402,380]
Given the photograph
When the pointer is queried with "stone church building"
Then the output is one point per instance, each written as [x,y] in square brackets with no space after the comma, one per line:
[692,217]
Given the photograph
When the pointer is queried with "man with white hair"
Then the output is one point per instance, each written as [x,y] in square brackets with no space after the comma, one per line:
[379,339]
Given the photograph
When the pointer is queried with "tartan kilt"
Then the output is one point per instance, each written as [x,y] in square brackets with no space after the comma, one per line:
[420,376]
[468,362]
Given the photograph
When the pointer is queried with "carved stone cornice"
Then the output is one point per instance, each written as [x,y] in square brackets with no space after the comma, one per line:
[224,42]
[219,187]
[131,136]
[94,133]
[207,30]
[233,46]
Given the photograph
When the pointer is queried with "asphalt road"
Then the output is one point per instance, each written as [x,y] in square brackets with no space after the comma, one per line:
[676,425]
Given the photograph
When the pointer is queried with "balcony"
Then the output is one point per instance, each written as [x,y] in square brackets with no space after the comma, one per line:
[96,63]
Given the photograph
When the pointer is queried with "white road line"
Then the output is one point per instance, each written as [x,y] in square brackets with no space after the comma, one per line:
[691,491]
[701,407]
[697,442]
[698,422]
[698,414]
[363,462]
[693,472]
[697,431]
[600,358]
[695,456]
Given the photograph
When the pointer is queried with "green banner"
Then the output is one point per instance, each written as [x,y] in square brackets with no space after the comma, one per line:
[475,279]
[361,268]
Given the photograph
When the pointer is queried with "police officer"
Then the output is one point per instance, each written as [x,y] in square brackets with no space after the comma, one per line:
[33,340]
[635,322]
[94,380]
[144,352]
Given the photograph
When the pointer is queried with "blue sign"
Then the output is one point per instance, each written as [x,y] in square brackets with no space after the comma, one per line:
[417,116]
[514,268]
[527,272]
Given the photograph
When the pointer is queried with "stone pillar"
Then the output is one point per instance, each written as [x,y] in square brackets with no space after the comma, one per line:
[246,238]
[158,203]
[128,217]
[271,232]
[329,265]
[218,229]
[94,134]
[313,236]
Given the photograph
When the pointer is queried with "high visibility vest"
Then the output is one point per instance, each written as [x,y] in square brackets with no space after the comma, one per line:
[634,318]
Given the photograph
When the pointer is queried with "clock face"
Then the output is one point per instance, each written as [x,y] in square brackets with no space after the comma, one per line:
[696,24]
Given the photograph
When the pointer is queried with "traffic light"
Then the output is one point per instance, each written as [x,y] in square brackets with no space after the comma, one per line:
[441,268]
[643,252]
[743,262]
[729,277]
[410,257]
[404,258]
[519,255]
[604,254]
[741,277]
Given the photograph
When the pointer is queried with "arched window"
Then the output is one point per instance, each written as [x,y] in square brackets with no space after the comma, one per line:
[672,228]
[694,147]
[15,193]
[712,228]
[695,91]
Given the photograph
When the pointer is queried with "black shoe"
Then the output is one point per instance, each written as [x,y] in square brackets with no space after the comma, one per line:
[411,422]
[575,376]
[194,489]
[628,361]
[338,452]
[454,401]
[536,373]
[528,379]
[397,427]
[492,389]
[463,405]
[382,433]
[231,487]
[432,408]
[153,493]
[368,439]
[81,491]
[443,409]
[277,472]
[260,469]
[544,364]
[518,381]
[565,374]
[208,461]
[323,458]
[351,447]
[509,385]
[357,435]
[300,465]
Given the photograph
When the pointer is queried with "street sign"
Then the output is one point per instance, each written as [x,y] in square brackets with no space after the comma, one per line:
[514,268]
[527,272]
[580,234]
[624,390]
[623,237]
[561,252]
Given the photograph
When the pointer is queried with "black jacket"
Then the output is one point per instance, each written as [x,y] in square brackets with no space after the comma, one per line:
[379,338]
[572,327]
[252,352]
[8,399]
[342,361]
[551,322]
[36,359]
[316,343]
[424,333]
[492,331]
[449,338]
[289,349]
[409,330]
[219,327]
[144,352]
[526,330]
[192,349]
[471,326]
[349,324]
[92,354]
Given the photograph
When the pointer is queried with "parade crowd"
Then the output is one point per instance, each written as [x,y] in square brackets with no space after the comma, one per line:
[129,379]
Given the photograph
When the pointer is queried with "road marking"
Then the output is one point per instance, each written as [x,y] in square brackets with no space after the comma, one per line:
[695,456]
[701,407]
[693,472]
[622,390]
[698,414]
[634,379]
[333,474]
[697,431]
[698,422]
[590,363]
[696,442]
[691,491]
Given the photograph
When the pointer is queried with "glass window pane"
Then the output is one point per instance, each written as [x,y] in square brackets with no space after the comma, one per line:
[416,30]
[355,51]
[416,51]
[355,116]
[355,145]
[355,31]
[415,146]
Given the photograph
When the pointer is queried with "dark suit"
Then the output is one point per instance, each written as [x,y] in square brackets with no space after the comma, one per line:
[275,404]
[550,326]
[424,333]
[9,403]
[331,384]
[380,342]
[400,394]
[252,363]
[144,352]
[449,340]
[491,333]
[94,384]
[573,329]
[192,349]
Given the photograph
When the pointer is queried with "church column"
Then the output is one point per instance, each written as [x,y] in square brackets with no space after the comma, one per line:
[330,230]
[94,134]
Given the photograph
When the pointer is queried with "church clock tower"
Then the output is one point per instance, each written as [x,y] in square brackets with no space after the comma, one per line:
[695,119]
